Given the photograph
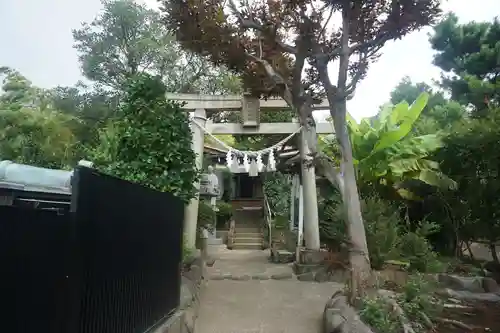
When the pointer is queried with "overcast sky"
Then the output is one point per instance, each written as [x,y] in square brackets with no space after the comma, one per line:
[35,38]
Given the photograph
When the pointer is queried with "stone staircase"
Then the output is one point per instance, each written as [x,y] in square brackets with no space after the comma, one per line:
[248,218]
[247,238]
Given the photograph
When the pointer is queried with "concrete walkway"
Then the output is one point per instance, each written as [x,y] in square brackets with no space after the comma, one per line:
[247,294]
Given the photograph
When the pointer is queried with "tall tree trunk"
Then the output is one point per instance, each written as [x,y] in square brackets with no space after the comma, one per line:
[493,250]
[360,261]
[337,98]
[471,254]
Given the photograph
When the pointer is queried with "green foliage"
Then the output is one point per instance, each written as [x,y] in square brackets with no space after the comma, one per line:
[259,141]
[332,227]
[277,187]
[377,313]
[383,232]
[187,252]
[206,216]
[43,138]
[127,38]
[439,113]
[469,53]
[415,298]
[416,249]
[281,222]
[224,214]
[151,142]
[18,92]
[406,90]
[471,156]
[94,107]
[387,235]
[386,155]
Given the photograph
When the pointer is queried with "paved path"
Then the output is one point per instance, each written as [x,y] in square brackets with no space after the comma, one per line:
[245,305]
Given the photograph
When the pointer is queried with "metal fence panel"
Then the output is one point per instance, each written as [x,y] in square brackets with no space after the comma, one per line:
[110,265]
[131,241]
[34,272]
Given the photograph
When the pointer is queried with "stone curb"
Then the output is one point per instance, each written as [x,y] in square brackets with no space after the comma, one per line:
[248,277]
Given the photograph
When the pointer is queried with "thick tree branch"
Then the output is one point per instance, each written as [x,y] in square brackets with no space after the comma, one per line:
[365,46]
[251,24]
[275,77]
[358,75]
[326,167]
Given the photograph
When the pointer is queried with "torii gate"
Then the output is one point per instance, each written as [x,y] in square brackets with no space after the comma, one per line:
[250,108]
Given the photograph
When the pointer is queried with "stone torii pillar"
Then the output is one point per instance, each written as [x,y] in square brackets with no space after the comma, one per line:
[311,219]
[191,210]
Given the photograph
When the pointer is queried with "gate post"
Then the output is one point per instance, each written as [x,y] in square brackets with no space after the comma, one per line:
[311,219]
[191,210]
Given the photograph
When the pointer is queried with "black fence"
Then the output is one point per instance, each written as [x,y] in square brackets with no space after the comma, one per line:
[110,264]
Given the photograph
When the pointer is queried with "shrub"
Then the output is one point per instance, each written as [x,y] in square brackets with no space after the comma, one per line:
[382,226]
[416,249]
[281,222]
[275,185]
[332,227]
[150,143]
[224,214]
[206,216]
[386,234]
[187,252]
[415,298]
[378,314]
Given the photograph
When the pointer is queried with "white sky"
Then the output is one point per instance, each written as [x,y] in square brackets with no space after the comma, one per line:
[35,38]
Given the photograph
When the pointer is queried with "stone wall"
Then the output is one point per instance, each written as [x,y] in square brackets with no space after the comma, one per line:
[193,282]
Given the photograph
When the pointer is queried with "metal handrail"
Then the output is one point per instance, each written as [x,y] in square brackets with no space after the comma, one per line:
[268,216]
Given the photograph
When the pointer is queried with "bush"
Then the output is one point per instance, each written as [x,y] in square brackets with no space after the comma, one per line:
[206,216]
[281,222]
[187,252]
[150,143]
[386,234]
[332,227]
[224,214]
[382,226]
[415,298]
[417,250]
[275,185]
[378,314]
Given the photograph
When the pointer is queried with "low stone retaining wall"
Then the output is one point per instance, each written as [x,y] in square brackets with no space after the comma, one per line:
[193,282]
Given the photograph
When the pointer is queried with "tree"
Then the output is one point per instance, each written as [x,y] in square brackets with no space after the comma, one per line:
[94,107]
[43,138]
[471,157]
[439,113]
[150,142]
[470,55]
[408,91]
[269,44]
[32,130]
[127,39]
[18,92]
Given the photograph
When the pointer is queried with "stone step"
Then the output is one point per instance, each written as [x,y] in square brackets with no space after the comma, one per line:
[251,221]
[252,246]
[247,230]
[247,234]
[247,227]
[252,240]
